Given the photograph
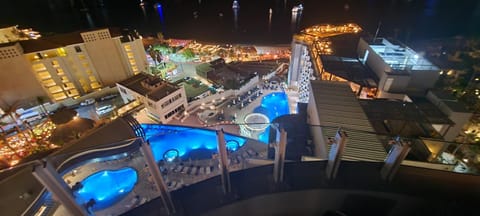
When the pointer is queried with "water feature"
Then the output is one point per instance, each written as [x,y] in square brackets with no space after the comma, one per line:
[190,142]
[273,105]
[106,187]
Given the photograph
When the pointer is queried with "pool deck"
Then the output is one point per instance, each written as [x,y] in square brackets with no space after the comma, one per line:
[176,175]
[144,188]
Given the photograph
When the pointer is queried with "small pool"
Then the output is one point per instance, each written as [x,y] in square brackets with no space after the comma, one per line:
[189,142]
[273,105]
[106,187]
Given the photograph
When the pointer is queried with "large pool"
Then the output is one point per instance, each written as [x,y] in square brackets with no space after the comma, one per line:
[273,105]
[166,139]
[106,187]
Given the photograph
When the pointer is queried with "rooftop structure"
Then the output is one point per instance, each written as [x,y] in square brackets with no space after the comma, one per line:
[313,42]
[333,105]
[454,109]
[234,75]
[398,67]
[351,69]
[403,118]
[400,58]
[163,99]
[13,33]
[152,87]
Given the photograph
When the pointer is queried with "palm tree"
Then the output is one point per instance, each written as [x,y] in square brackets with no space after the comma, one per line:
[10,111]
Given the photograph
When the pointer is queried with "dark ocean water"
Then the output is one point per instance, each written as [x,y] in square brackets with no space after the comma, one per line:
[215,20]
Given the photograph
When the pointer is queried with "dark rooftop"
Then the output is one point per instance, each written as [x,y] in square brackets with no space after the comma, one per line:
[234,74]
[456,106]
[150,86]
[346,44]
[350,69]
[394,117]
[450,101]
[443,95]
[432,112]
[57,41]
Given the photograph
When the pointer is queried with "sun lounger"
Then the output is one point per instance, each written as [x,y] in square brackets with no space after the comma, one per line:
[208,170]
[193,171]
[185,170]
[178,168]
[251,152]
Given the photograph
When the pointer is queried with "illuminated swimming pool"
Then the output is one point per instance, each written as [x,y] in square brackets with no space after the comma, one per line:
[164,138]
[106,187]
[273,105]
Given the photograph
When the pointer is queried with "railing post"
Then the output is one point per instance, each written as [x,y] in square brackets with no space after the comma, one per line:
[336,152]
[49,177]
[157,177]
[223,159]
[280,148]
[394,159]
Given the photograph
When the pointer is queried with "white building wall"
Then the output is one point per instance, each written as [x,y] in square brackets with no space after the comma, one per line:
[84,73]
[317,133]
[17,82]
[175,104]
[155,107]
[294,69]
[105,56]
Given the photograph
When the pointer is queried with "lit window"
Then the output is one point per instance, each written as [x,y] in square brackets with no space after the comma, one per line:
[60,52]
[39,67]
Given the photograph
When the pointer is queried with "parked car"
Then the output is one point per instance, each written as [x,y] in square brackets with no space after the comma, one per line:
[108,97]
[105,109]
[87,102]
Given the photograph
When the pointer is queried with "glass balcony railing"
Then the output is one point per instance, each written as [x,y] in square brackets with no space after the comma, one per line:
[115,178]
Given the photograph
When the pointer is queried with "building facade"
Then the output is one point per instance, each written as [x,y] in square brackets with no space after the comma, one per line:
[163,100]
[399,68]
[70,65]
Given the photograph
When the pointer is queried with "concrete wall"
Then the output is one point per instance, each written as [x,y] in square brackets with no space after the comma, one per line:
[294,69]
[398,85]
[459,118]
[106,58]
[160,112]
[317,133]
[139,55]
[17,81]
[80,71]
[422,80]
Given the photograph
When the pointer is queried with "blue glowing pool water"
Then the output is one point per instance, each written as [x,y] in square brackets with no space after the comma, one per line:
[106,187]
[185,139]
[273,105]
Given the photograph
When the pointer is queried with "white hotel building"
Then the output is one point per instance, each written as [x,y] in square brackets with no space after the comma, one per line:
[163,100]
[68,66]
